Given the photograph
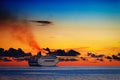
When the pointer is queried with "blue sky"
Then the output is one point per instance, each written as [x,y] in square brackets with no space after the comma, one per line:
[64,9]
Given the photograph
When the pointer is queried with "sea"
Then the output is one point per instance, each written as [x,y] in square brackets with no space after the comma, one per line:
[60,73]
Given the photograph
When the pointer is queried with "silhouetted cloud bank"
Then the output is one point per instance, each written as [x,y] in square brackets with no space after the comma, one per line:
[70,55]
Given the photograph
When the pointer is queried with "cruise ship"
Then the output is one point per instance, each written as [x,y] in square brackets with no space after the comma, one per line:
[43,61]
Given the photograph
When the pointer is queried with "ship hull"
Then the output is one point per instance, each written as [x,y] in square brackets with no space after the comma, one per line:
[41,65]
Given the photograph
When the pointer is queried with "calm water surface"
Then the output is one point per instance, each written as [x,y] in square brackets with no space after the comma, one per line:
[60,73]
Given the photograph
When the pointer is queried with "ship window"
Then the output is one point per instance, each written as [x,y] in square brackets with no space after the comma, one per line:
[49,60]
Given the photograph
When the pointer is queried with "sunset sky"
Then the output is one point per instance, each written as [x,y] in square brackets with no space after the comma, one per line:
[82,25]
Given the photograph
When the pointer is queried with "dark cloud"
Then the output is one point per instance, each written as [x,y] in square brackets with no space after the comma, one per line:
[67,59]
[13,53]
[5,13]
[60,52]
[115,57]
[118,54]
[95,55]
[41,22]
[100,59]
[84,59]
[109,58]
